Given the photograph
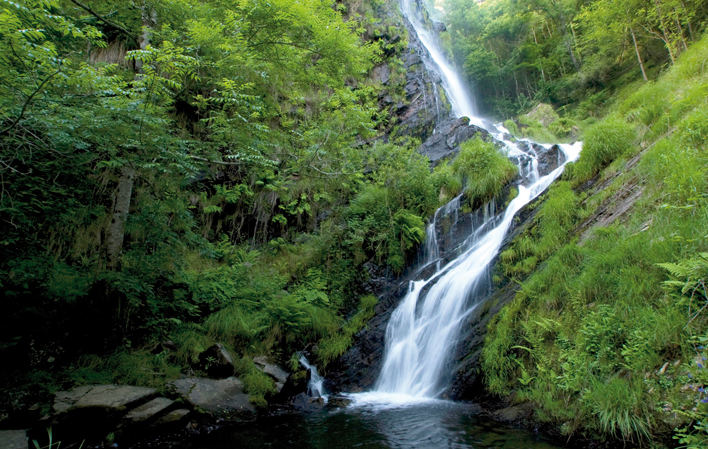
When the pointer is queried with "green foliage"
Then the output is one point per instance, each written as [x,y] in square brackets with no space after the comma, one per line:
[603,143]
[535,131]
[571,54]
[604,336]
[485,169]
[331,348]
[551,229]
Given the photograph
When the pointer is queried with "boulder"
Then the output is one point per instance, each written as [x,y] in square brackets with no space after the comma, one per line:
[223,398]
[148,410]
[440,27]
[13,439]
[217,362]
[305,403]
[279,375]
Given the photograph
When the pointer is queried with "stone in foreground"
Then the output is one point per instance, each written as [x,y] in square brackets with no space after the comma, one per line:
[13,439]
[148,410]
[217,362]
[110,397]
[223,398]
[279,375]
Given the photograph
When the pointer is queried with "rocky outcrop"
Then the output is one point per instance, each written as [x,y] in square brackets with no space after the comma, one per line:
[93,411]
[223,398]
[447,138]
[279,375]
[217,362]
[547,157]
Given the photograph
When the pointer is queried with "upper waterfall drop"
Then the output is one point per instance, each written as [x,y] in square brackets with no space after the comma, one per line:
[460,98]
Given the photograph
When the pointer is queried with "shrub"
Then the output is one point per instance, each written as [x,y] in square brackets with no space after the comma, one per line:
[604,142]
[486,170]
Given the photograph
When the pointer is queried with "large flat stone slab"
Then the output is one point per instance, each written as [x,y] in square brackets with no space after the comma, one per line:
[110,397]
[223,397]
[13,439]
[149,410]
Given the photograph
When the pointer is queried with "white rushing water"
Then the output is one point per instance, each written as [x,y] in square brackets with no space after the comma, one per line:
[460,98]
[315,387]
[425,328]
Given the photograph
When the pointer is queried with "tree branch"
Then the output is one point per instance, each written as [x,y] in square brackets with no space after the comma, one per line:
[24,107]
[213,162]
[104,20]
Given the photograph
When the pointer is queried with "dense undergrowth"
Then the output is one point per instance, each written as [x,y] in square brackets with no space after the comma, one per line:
[606,337]
[253,200]
[247,137]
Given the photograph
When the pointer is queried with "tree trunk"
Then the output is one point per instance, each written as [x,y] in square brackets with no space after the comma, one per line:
[121,207]
[688,21]
[667,41]
[639,56]
[575,41]
[680,30]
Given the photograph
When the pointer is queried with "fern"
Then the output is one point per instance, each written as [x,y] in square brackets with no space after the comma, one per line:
[689,278]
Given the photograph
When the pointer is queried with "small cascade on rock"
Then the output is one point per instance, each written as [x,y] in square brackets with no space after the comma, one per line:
[431,251]
[425,328]
[315,387]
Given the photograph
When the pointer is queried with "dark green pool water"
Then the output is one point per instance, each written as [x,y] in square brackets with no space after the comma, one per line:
[438,425]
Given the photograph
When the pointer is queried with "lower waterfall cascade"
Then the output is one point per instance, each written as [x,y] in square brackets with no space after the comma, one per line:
[425,327]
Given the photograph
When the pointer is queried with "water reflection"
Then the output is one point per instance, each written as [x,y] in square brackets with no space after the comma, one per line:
[437,424]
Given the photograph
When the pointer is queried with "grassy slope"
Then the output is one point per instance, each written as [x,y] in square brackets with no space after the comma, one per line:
[596,338]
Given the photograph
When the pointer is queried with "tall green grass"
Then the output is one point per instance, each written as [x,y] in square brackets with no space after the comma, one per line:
[600,335]
[485,170]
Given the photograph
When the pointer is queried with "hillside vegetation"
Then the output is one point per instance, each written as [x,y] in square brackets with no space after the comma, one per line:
[607,334]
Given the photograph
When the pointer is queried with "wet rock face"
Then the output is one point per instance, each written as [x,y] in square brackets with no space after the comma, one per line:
[423,106]
[447,138]
[548,158]
[358,369]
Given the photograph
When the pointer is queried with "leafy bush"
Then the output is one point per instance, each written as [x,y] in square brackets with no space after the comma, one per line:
[603,143]
[485,169]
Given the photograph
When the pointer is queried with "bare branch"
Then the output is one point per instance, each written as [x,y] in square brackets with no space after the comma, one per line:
[29,100]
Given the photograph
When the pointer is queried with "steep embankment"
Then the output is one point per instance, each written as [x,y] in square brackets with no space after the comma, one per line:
[605,336]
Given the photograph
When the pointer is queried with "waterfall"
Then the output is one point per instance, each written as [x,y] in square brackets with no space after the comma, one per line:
[315,387]
[425,328]
[458,95]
